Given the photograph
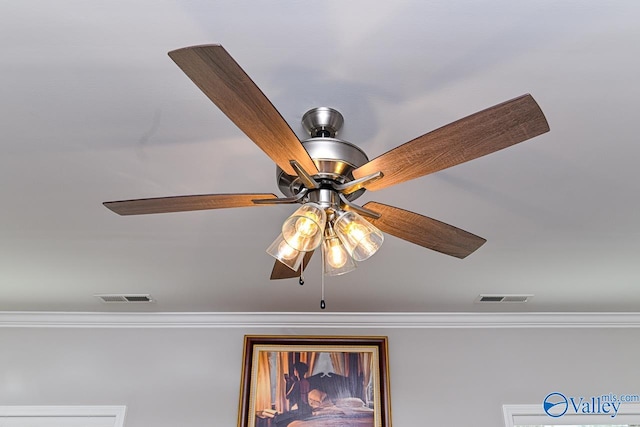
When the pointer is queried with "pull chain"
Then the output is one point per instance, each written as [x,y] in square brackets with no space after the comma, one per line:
[322,303]
[301,279]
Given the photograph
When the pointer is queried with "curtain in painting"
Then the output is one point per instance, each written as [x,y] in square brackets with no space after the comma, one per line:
[340,363]
[263,389]
[364,360]
[356,367]
[282,367]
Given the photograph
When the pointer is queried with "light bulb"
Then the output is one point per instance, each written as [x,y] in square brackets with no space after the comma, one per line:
[303,229]
[336,256]
[360,235]
[307,226]
[360,238]
[337,260]
[286,251]
[356,231]
[298,241]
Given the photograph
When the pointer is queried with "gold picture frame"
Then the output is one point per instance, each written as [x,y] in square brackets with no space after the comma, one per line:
[314,381]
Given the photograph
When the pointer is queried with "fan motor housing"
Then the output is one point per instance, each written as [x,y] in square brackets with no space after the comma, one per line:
[335,159]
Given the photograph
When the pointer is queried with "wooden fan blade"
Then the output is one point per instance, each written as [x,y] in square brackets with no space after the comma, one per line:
[185,203]
[218,75]
[474,136]
[424,231]
[281,271]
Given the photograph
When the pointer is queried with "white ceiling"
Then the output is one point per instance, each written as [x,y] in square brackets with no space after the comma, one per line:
[92,109]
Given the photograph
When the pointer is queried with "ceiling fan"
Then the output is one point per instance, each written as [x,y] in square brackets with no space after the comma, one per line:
[325,174]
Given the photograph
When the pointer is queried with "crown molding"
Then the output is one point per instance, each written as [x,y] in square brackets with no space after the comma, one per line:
[317,320]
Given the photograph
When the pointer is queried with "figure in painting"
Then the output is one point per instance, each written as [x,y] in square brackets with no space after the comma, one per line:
[297,393]
[298,389]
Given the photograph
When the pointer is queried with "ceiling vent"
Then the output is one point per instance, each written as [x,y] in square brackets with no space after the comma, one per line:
[492,298]
[132,298]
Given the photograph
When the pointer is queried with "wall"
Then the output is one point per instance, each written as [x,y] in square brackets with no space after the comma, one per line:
[190,376]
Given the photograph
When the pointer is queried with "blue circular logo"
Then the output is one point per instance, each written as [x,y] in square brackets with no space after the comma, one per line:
[555,404]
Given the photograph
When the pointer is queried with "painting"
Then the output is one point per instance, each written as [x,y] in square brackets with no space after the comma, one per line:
[314,381]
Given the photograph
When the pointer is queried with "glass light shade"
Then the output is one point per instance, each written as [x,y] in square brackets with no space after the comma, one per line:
[337,260]
[284,253]
[304,230]
[360,237]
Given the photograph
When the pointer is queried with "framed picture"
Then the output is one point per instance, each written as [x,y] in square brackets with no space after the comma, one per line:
[314,381]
